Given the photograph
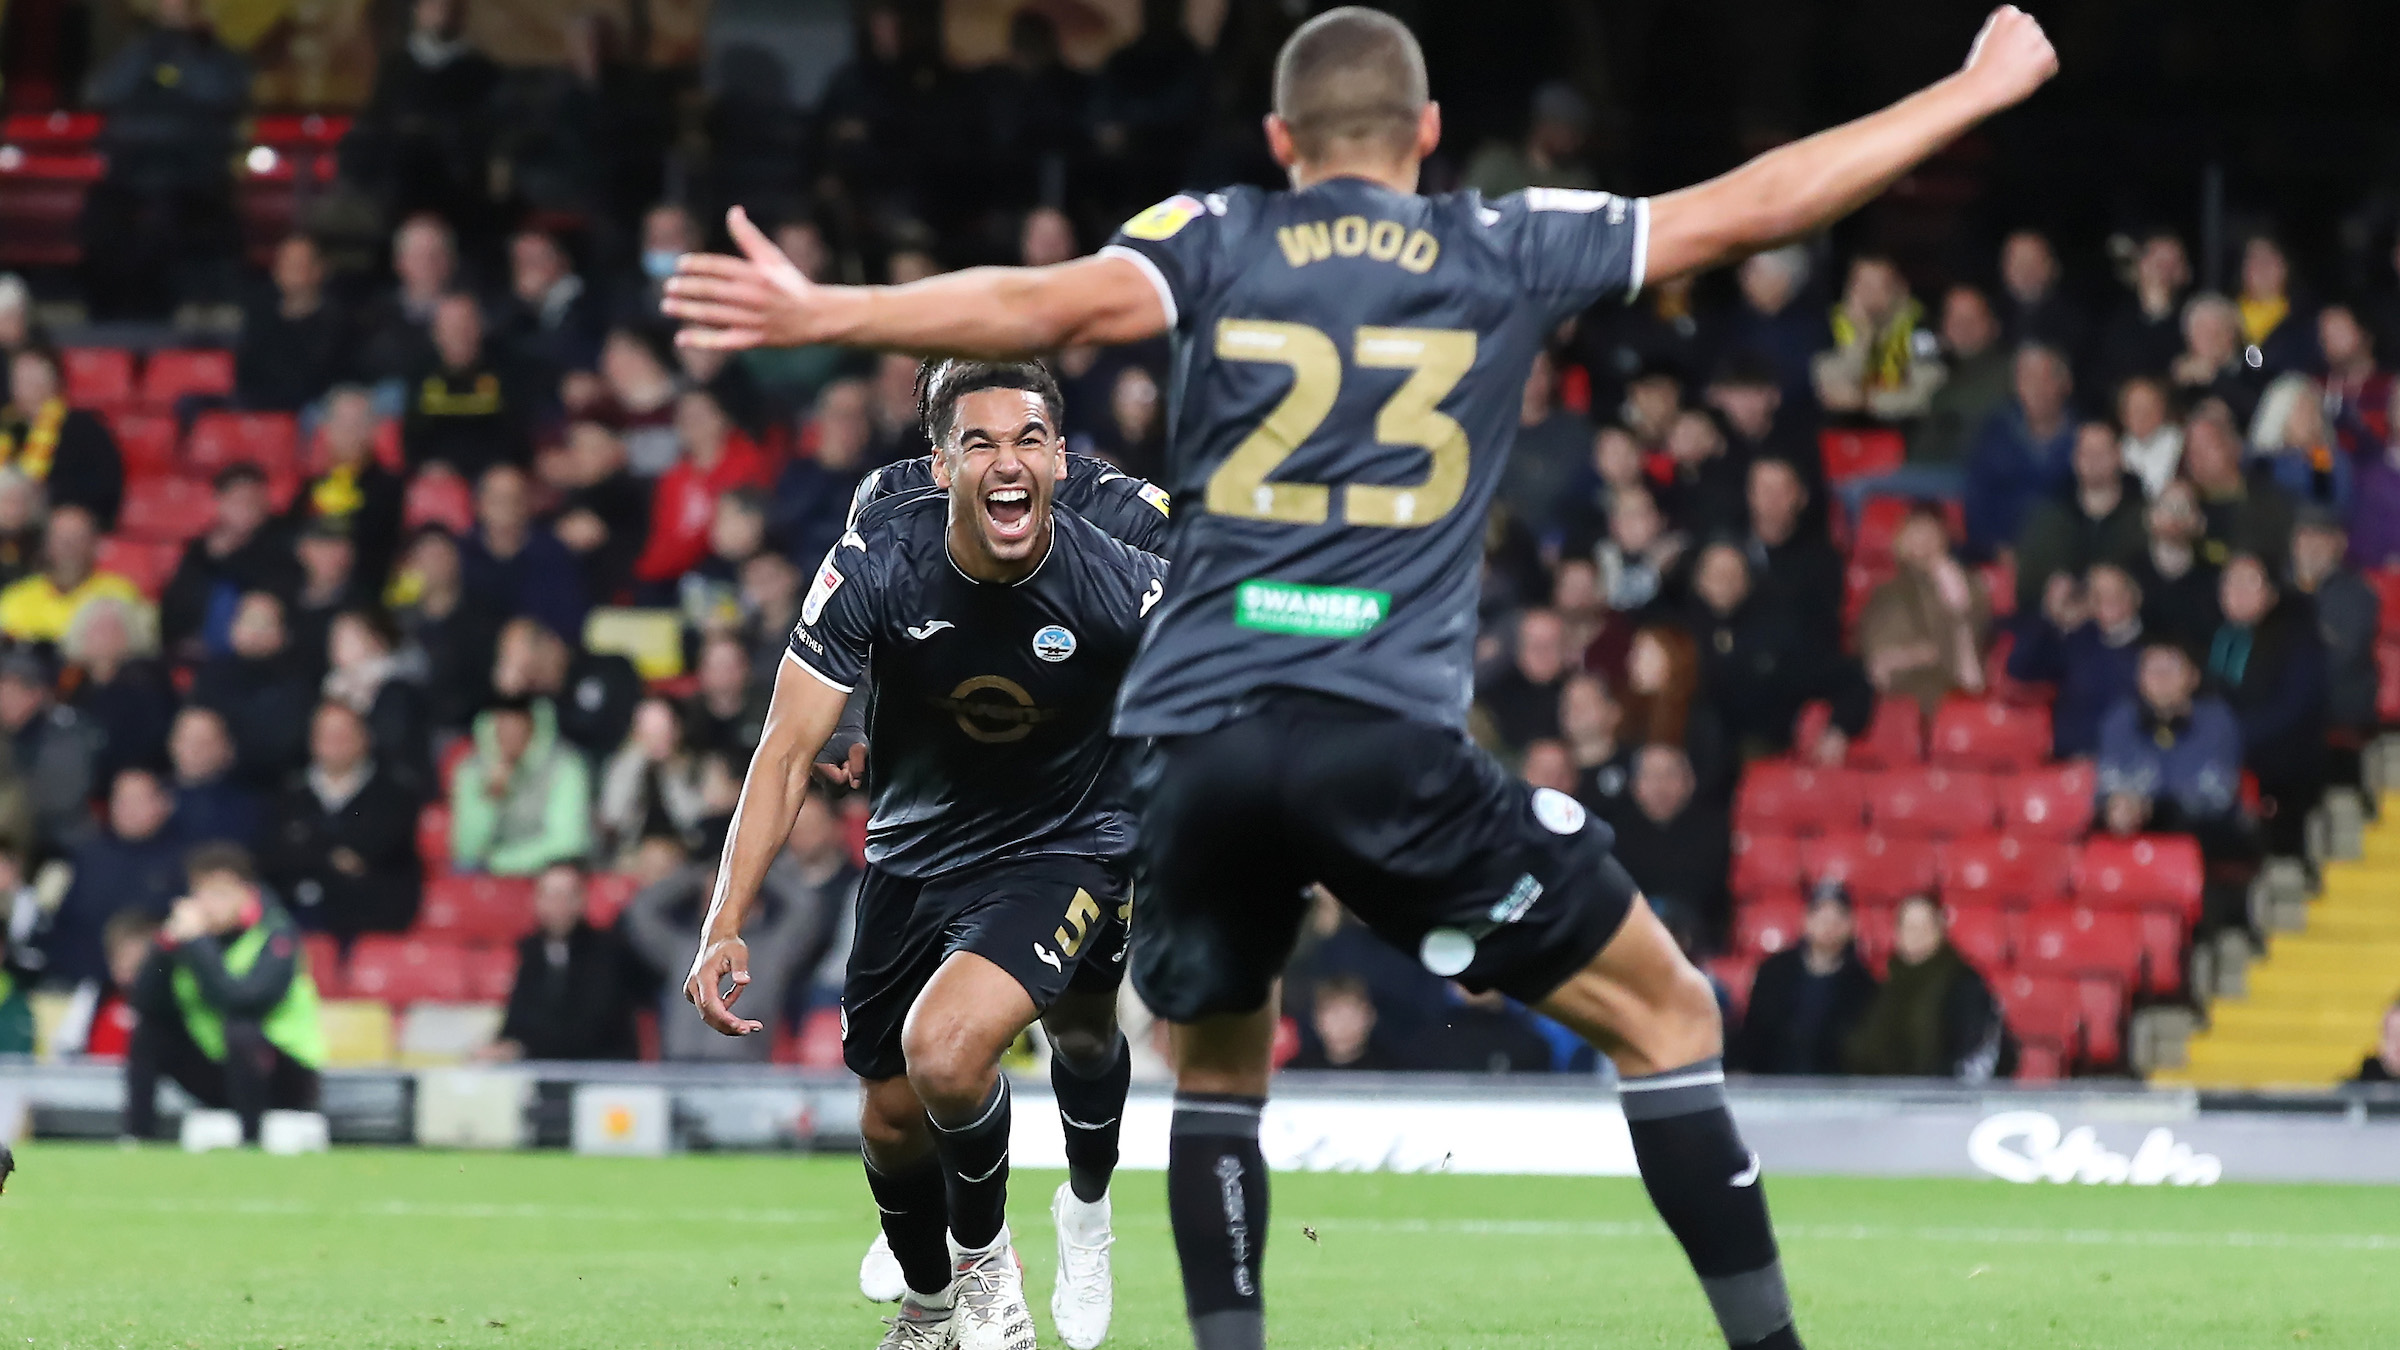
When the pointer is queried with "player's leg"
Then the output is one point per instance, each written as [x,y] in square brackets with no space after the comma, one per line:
[1642,1004]
[1217,1177]
[1090,1072]
[906,1180]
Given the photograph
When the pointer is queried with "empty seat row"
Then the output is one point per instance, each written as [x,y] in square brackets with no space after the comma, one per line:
[404,970]
[2163,872]
[1783,797]
[105,377]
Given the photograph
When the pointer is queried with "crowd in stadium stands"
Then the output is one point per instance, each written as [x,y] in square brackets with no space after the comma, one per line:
[1943,660]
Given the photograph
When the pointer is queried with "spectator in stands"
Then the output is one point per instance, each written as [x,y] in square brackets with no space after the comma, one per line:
[771,602]
[2021,453]
[2169,760]
[1521,700]
[448,640]
[1757,423]
[514,568]
[2283,336]
[1758,667]
[329,586]
[228,1009]
[523,799]
[17,328]
[2178,585]
[116,685]
[1791,560]
[2268,663]
[134,863]
[341,840]
[2096,518]
[355,488]
[668,232]
[160,227]
[423,142]
[2211,366]
[1482,1033]
[466,411]
[369,677]
[2295,447]
[792,932]
[635,398]
[710,594]
[552,322]
[257,686]
[212,804]
[2086,640]
[395,332]
[2142,339]
[1874,369]
[1934,1017]
[243,550]
[2033,307]
[2246,512]
[296,343]
[814,492]
[2152,442]
[70,452]
[1150,106]
[1980,379]
[1707,483]
[1551,155]
[651,785]
[21,513]
[894,411]
[1590,722]
[1677,849]
[2383,1066]
[1552,444]
[56,752]
[603,513]
[2358,393]
[1807,1000]
[20,965]
[1342,1026]
[1663,705]
[1639,553]
[1546,764]
[727,713]
[1923,632]
[716,458]
[570,999]
[2349,616]
[1768,321]
[592,694]
[43,606]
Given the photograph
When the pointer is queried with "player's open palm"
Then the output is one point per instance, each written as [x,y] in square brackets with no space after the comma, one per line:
[719,973]
[729,303]
[2013,55]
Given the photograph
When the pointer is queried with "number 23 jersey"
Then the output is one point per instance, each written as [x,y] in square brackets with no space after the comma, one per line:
[1348,368]
[987,726]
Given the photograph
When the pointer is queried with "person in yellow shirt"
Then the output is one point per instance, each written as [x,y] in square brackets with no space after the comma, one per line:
[41,607]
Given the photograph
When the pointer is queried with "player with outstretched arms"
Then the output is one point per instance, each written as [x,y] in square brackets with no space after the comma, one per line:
[996,894]
[1349,358]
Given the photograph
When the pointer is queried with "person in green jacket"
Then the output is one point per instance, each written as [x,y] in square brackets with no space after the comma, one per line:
[226,1005]
[523,800]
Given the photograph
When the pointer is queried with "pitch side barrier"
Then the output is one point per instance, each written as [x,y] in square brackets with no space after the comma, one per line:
[2088,1133]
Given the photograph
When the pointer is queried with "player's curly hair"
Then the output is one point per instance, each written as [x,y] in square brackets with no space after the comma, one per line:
[941,384]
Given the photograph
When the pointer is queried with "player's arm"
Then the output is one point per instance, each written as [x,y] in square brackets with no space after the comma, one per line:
[761,300]
[1802,187]
[801,715]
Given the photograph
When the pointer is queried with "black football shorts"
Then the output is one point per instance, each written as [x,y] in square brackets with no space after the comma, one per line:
[1054,922]
[1427,839]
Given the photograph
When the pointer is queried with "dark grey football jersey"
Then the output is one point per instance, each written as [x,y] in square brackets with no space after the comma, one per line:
[988,717]
[1132,510]
[1349,364]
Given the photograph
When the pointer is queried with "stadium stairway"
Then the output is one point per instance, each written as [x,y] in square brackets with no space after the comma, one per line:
[2314,1003]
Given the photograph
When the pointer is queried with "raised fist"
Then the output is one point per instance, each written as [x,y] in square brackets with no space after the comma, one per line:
[2011,57]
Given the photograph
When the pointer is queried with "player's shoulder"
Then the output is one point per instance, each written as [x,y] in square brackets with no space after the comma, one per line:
[1090,477]
[1227,208]
[891,530]
[1089,541]
[1502,219]
[896,479]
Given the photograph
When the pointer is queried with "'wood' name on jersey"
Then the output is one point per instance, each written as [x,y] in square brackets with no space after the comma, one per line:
[988,722]
[1349,365]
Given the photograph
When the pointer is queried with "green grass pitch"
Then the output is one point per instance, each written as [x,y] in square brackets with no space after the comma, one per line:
[101,1248]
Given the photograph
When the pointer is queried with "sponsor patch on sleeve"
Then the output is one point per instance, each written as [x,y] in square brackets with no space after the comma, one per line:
[1165,220]
[829,580]
[1156,496]
[1576,200]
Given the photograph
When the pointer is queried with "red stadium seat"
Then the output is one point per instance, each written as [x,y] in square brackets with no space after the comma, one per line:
[97,377]
[294,131]
[1935,803]
[2040,1010]
[2387,681]
[404,970]
[2040,1063]
[1990,734]
[1764,864]
[1878,523]
[491,972]
[1861,454]
[2151,871]
[606,897]
[2102,1005]
[51,131]
[477,908]
[171,374]
[1779,796]
[439,499]
[458,752]
[2077,940]
[820,1039]
[324,963]
[166,510]
[2007,869]
[145,563]
[1737,974]
[1874,938]
[1765,926]
[1985,937]
[433,838]
[1894,738]
[1877,870]
[146,442]
[2386,581]
[2054,802]
[2163,943]
[1858,586]
[269,440]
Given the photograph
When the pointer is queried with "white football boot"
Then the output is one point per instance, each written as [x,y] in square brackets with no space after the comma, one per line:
[989,1289]
[920,1326]
[1085,1294]
[879,1275]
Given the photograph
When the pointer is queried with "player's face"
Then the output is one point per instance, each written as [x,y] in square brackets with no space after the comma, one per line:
[1001,469]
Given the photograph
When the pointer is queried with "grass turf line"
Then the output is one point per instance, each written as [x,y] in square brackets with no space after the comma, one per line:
[365,1248]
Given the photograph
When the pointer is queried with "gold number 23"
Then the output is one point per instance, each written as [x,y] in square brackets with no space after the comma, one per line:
[1434,357]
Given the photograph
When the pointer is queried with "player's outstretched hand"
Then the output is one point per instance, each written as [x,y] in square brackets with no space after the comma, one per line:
[848,768]
[759,299]
[2012,56]
[718,963]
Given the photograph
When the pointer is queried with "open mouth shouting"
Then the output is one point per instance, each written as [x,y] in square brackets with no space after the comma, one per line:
[1008,513]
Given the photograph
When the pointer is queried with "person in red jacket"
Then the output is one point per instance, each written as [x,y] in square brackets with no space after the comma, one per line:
[716,458]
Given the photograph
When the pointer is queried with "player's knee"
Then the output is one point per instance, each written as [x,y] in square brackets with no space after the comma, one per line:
[891,1123]
[949,1066]
[1085,1049]
[1690,1025]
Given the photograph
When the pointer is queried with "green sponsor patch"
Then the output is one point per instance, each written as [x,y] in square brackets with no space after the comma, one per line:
[1308,611]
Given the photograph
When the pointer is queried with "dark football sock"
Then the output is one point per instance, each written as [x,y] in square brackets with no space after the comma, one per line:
[916,1215]
[1090,1110]
[1705,1184]
[1217,1198]
[975,1162]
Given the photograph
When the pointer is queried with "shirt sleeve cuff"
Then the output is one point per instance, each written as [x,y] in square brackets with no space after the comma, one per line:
[822,678]
[1639,273]
[1158,279]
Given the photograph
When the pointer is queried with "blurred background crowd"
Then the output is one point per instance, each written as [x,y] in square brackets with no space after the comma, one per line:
[357,509]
